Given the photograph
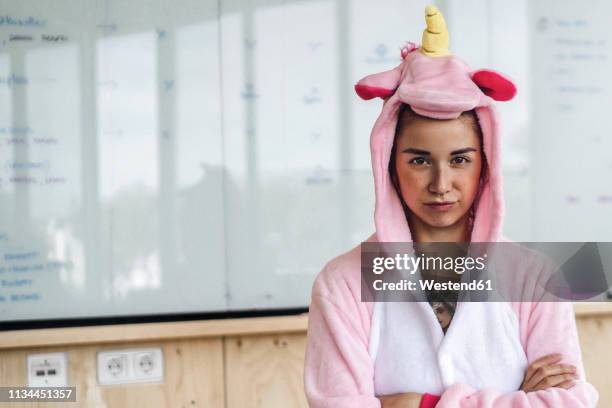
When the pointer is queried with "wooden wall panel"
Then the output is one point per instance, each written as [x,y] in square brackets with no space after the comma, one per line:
[241,370]
[193,376]
[265,371]
[595,334]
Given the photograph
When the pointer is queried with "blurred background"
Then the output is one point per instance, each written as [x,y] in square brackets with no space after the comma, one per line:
[192,156]
[161,156]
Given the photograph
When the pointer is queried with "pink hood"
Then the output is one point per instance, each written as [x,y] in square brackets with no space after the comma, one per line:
[441,88]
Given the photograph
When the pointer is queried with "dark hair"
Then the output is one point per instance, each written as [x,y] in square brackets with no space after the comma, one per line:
[404,115]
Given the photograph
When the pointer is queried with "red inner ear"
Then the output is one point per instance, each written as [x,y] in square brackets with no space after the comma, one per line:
[494,84]
[368,92]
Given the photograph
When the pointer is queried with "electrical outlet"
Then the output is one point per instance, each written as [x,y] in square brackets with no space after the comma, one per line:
[130,366]
[112,368]
[47,370]
[146,364]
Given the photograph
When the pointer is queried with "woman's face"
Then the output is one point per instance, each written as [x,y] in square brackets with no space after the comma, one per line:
[438,164]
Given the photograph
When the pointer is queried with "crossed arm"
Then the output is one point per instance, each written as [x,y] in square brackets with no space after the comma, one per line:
[543,373]
[339,371]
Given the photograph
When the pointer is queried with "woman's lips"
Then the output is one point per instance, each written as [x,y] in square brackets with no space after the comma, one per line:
[446,206]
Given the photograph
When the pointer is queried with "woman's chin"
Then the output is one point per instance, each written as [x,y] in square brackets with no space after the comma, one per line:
[437,218]
[442,220]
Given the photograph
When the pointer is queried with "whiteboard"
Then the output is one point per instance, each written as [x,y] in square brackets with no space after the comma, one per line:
[172,157]
[572,161]
[162,157]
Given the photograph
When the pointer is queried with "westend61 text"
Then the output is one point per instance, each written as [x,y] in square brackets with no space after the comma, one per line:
[430,284]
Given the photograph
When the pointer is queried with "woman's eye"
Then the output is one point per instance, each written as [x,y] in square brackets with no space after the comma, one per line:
[460,160]
[418,160]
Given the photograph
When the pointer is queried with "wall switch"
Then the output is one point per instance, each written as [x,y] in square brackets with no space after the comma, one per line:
[47,370]
[130,366]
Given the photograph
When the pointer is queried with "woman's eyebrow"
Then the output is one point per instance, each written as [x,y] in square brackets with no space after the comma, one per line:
[426,153]
[464,150]
[416,151]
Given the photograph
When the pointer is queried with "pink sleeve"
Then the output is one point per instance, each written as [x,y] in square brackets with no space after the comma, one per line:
[338,370]
[546,328]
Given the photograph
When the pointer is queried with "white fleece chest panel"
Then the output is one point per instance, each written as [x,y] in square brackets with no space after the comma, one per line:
[481,348]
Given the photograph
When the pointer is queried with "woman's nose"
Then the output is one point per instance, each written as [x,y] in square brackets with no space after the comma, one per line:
[440,183]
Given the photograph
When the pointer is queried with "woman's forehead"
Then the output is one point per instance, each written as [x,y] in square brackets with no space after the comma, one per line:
[438,135]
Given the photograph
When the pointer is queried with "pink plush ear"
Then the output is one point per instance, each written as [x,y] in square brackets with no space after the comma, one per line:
[494,84]
[382,84]
[368,92]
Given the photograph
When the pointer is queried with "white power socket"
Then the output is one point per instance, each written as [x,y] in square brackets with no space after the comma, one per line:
[47,370]
[130,366]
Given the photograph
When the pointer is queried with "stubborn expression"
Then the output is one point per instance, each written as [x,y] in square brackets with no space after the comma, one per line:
[438,165]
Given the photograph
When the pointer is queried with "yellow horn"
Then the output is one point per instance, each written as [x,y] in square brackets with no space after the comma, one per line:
[435,36]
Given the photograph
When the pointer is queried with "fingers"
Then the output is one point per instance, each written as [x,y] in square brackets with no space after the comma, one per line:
[540,362]
[555,380]
[546,360]
[544,373]
[552,372]
[567,384]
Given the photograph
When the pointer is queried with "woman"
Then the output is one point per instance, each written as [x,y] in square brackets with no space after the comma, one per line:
[437,177]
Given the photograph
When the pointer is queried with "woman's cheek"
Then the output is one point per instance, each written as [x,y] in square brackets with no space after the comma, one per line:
[473,180]
[411,185]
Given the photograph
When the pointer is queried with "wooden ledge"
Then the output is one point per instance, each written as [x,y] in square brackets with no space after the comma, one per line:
[152,331]
[587,309]
[191,329]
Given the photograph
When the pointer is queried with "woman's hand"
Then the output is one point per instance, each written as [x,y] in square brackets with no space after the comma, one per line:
[403,400]
[544,373]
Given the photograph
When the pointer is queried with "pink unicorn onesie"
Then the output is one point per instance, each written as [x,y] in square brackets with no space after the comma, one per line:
[359,350]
